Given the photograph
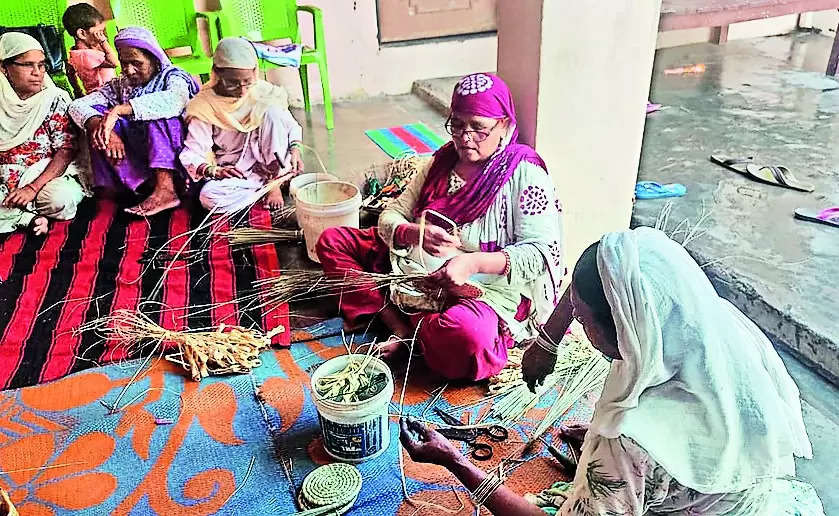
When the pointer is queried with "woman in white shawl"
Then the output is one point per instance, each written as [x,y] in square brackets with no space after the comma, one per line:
[37,140]
[698,414]
[240,133]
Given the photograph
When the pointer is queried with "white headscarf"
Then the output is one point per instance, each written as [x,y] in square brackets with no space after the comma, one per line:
[230,113]
[699,387]
[19,119]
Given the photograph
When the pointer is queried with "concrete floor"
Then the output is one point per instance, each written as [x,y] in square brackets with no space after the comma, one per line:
[760,98]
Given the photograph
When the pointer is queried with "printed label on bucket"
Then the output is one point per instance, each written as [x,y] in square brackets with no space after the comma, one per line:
[352,441]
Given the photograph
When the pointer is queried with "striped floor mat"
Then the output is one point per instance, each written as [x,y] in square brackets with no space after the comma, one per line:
[406,139]
[105,260]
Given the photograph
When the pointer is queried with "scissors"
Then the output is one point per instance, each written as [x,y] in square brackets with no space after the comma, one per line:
[480,451]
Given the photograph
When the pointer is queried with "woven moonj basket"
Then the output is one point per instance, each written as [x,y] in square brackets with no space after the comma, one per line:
[335,484]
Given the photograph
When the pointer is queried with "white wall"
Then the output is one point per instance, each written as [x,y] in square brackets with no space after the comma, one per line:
[593,78]
[358,67]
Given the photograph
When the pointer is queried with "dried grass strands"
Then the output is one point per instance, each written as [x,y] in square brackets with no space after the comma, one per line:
[295,285]
[252,236]
[227,349]
[514,401]
[577,383]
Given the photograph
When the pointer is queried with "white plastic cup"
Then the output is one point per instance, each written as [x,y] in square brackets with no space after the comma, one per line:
[356,431]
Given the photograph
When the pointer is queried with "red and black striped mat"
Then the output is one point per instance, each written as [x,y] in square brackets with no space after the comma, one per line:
[102,261]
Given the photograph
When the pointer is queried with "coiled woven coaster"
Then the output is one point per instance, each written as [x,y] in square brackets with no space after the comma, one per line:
[335,484]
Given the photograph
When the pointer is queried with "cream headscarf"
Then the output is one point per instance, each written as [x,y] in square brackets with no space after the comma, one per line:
[19,119]
[236,114]
[700,387]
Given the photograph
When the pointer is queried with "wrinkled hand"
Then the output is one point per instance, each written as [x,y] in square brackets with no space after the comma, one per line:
[295,160]
[92,128]
[454,272]
[536,364]
[425,444]
[106,128]
[439,242]
[115,148]
[228,172]
[20,197]
[574,434]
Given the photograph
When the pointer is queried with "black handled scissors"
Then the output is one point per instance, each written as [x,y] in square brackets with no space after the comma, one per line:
[480,451]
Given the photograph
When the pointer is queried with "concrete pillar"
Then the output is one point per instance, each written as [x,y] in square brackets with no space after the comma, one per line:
[580,74]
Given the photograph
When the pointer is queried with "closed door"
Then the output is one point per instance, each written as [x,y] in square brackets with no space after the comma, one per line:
[405,20]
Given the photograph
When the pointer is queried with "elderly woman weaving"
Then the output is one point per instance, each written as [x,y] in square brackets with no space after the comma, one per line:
[134,124]
[484,211]
[37,140]
[698,414]
[240,133]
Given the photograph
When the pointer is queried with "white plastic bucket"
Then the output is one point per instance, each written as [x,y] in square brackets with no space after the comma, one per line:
[357,431]
[326,204]
[302,180]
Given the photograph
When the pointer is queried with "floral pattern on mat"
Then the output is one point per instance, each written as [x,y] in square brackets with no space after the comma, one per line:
[97,443]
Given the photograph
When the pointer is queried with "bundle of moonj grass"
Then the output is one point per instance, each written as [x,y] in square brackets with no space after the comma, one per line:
[252,236]
[223,350]
[297,285]
[353,383]
[579,370]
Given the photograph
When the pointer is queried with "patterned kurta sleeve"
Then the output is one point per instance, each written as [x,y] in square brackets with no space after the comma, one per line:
[610,479]
[168,103]
[400,210]
[537,227]
[198,146]
[61,131]
[81,110]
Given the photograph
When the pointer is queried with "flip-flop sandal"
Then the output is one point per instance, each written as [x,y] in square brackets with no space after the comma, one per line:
[829,216]
[653,190]
[734,164]
[777,176]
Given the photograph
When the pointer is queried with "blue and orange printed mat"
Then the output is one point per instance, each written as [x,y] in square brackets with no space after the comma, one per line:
[178,447]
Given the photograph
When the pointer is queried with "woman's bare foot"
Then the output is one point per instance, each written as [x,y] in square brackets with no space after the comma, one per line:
[274,199]
[155,203]
[163,197]
[39,225]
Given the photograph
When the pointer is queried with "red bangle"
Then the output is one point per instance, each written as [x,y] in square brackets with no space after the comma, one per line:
[506,263]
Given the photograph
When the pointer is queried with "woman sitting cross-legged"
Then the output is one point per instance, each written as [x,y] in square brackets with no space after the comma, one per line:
[134,124]
[507,239]
[37,140]
[240,132]
[698,414]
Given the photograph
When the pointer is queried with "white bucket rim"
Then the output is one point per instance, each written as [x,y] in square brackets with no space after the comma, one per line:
[326,204]
[378,363]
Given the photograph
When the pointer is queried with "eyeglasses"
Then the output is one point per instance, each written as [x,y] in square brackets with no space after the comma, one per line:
[460,131]
[236,84]
[39,66]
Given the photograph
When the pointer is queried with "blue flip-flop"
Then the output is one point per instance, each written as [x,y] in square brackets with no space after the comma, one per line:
[653,190]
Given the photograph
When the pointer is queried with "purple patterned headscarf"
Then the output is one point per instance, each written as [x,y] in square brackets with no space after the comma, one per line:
[142,38]
[479,94]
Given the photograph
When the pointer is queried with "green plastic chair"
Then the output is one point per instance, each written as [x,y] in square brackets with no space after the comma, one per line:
[174,24]
[23,13]
[266,20]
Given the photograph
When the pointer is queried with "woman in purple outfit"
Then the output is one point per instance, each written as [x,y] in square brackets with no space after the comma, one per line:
[134,124]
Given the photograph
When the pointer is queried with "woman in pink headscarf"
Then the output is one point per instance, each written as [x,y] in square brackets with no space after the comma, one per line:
[484,212]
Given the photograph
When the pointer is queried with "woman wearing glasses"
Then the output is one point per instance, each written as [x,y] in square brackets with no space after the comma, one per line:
[244,125]
[37,141]
[134,125]
[484,211]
